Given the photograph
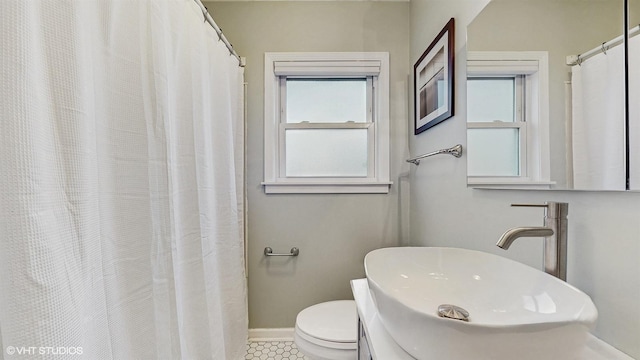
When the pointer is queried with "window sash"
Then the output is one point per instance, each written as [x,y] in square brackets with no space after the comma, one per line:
[283,95]
[522,143]
[369,125]
[520,121]
[371,136]
[520,92]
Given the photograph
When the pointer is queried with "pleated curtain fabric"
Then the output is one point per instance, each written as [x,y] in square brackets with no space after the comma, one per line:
[598,122]
[121,182]
[634,113]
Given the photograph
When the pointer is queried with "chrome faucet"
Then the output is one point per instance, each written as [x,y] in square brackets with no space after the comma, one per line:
[554,232]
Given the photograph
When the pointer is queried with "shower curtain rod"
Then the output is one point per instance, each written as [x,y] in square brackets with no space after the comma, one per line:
[578,59]
[209,19]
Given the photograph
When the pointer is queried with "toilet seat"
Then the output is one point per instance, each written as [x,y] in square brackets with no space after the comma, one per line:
[325,343]
[328,328]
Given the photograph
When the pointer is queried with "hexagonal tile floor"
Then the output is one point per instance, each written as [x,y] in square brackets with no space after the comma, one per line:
[273,350]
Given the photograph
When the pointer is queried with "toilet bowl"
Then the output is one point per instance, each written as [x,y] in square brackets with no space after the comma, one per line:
[328,331]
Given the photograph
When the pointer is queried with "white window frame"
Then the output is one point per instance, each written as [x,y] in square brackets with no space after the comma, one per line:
[374,66]
[534,129]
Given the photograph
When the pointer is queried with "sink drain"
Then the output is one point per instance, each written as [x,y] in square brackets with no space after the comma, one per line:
[453,312]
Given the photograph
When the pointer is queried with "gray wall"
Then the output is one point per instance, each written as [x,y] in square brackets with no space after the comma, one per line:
[634,13]
[604,228]
[333,232]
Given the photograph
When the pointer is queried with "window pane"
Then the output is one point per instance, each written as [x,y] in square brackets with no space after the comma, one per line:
[326,100]
[326,152]
[493,152]
[491,99]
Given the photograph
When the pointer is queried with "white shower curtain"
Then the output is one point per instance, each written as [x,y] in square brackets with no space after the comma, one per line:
[598,122]
[634,113]
[121,209]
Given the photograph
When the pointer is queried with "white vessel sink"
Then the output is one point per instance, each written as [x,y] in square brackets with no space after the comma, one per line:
[515,311]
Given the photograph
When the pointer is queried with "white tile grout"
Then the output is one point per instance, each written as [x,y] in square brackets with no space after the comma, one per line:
[273,350]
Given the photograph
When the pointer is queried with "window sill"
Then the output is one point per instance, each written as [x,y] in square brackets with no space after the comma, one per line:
[507,184]
[326,188]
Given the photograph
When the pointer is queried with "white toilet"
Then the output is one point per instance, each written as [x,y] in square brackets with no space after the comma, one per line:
[328,331]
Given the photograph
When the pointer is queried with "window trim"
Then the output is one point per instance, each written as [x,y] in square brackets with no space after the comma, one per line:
[330,65]
[535,66]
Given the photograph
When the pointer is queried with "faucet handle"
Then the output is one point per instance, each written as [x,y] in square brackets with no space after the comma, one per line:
[551,209]
[530,205]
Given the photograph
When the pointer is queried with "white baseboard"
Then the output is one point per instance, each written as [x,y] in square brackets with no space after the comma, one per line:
[281,334]
[597,349]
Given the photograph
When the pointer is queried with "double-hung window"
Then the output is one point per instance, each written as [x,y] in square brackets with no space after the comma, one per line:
[507,119]
[497,130]
[326,123]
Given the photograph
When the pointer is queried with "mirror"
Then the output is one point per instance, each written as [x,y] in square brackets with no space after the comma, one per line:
[585,125]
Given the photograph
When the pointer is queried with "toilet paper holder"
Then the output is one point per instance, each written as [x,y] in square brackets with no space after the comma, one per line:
[269,252]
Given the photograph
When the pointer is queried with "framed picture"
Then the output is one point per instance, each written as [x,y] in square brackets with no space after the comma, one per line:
[433,81]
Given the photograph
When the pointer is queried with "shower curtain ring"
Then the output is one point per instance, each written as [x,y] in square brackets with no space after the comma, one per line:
[604,48]
[579,61]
